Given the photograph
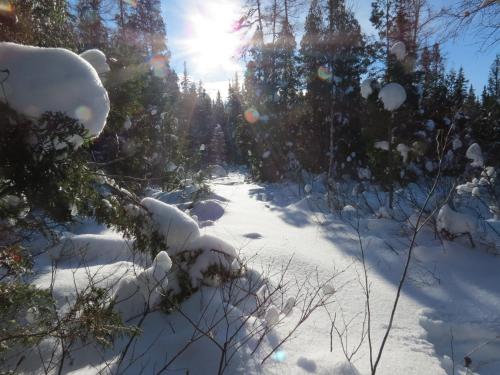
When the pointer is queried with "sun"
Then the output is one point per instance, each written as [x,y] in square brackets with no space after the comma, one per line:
[212,42]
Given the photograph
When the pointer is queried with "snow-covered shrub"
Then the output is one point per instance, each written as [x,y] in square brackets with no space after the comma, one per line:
[453,224]
[197,259]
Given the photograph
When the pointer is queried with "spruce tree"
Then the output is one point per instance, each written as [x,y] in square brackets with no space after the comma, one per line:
[40,23]
[344,49]
[92,31]
[312,132]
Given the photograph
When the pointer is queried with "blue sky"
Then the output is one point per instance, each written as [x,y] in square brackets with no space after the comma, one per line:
[186,18]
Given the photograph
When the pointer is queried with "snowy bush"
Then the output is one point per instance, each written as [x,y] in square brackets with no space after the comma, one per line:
[197,259]
[453,224]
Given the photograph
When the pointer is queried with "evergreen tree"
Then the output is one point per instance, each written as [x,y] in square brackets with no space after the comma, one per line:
[346,61]
[312,129]
[147,27]
[486,127]
[92,32]
[236,125]
[217,146]
[40,23]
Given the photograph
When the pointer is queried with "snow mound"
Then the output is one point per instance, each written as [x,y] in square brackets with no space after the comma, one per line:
[272,316]
[208,210]
[217,171]
[134,293]
[208,242]
[455,223]
[399,50]
[475,154]
[56,80]
[93,248]
[97,59]
[177,227]
[345,368]
[393,95]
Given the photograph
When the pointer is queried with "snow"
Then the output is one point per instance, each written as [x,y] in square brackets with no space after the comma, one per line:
[128,123]
[217,171]
[475,154]
[403,150]
[171,167]
[430,125]
[308,188]
[455,223]
[451,289]
[134,293]
[430,166]
[345,368]
[97,59]
[57,80]
[272,316]
[364,173]
[209,242]
[393,95]
[367,87]
[398,49]
[177,227]
[92,248]
[382,145]
[210,209]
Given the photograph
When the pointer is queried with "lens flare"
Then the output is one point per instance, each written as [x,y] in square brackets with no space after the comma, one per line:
[252,115]
[83,113]
[279,356]
[159,64]
[6,7]
[325,74]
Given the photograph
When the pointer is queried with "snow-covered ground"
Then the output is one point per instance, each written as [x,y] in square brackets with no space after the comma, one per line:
[449,309]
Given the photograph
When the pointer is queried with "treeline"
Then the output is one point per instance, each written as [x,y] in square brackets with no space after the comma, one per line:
[311,104]
[302,104]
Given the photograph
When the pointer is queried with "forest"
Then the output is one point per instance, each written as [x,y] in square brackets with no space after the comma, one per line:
[343,195]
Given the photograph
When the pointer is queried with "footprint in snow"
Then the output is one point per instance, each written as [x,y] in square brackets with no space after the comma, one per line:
[253,236]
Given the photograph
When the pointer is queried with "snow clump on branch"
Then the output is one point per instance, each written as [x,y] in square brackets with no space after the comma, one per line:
[43,80]
[393,95]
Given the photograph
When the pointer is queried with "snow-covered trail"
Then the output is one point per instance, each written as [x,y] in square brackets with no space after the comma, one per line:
[276,232]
